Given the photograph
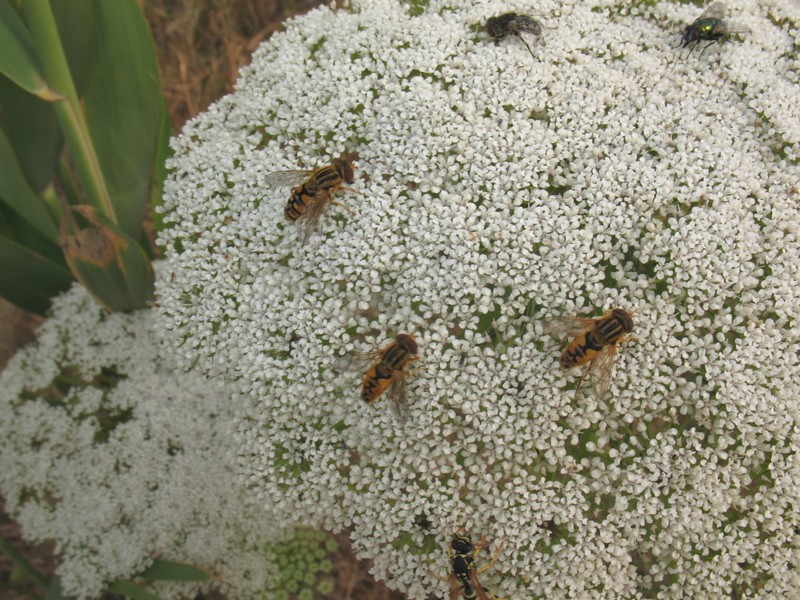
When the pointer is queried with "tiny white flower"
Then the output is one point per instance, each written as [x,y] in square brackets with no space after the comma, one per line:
[501,190]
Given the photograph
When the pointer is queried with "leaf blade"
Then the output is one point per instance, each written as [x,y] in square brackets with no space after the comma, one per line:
[131,590]
[17,195]
[167,570]
[28,279]
[19,60]
[124,109]
[108,262]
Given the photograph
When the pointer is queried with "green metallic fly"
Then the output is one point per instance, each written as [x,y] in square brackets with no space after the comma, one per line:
[709,27]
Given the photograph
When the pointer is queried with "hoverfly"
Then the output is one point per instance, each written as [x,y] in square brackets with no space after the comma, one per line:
[385,371]
[315,191]
[512,24]
[595,341]
[708,27]
[464,575]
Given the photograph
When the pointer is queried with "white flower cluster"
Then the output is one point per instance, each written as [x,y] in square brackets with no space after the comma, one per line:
[498,190]
[119,458]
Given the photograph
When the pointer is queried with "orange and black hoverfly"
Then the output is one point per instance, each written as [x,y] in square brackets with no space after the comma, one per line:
[385,371]
[315,191]
[595,341]
[463,573]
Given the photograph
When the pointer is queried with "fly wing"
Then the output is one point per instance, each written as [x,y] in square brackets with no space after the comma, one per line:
[356,361]
[398,394]
[717,10]
[480,592]
[286,178]
[602,370]
[307,222]
[525,24]
[455,588]
[569,327]
[733,28]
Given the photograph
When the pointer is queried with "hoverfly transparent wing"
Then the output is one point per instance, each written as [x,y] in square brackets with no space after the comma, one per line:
[716,10]
[286,178]
[602,369]
[307,222]
[569,327]
[356,361]
[398,394]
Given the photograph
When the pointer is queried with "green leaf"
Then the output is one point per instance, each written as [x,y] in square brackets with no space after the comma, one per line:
[54,591]
[70,113]
[123,104]
[131,590]
[112,266]
[76,24]
[17,195]
[32,129]
[163,152]
[19,60]
[167,570]
[28,279]
[21,563]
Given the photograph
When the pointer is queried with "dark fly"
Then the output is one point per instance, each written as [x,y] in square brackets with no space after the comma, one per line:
[511,23]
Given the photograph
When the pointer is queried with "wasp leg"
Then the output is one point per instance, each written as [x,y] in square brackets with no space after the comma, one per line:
[490,564]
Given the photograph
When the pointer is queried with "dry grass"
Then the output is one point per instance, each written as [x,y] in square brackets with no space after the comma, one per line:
[201,46]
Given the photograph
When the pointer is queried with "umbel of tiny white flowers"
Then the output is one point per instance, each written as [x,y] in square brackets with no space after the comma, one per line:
[498,191]
[119,458]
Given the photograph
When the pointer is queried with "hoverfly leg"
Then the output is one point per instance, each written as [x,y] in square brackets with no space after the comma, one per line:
[413,372]
[344,206]
[581,380]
